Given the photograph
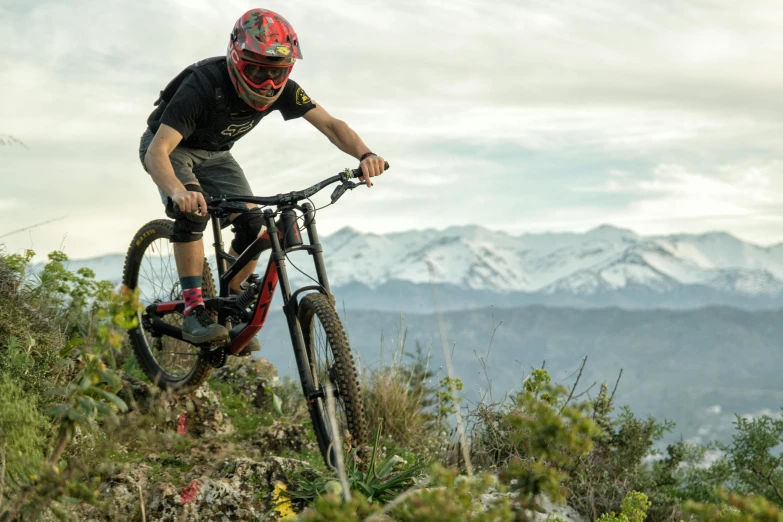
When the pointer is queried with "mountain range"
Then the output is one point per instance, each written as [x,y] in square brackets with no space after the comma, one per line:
[697,368]
[692,320]
[474,267]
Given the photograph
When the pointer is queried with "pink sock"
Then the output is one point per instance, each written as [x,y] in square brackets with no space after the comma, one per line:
[192,299]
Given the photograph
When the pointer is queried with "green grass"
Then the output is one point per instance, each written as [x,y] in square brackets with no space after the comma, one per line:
[247,420]
[132,368]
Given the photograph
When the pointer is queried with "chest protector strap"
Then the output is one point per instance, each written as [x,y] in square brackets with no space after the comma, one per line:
[209,82]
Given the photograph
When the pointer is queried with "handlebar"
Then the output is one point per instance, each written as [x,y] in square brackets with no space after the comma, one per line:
[291,198]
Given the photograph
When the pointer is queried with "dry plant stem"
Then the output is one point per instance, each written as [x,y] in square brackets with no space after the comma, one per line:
[768,479]
[611,399]
[450,370]
[141,501]
[30,227]
[58,450]
[571,395]
[2,472]
[337,442]
[483,360]
[584,392]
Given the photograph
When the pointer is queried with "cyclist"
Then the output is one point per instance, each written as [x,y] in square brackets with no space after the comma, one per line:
[186,148]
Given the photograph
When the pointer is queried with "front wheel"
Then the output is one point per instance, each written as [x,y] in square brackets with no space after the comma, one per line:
[328,352]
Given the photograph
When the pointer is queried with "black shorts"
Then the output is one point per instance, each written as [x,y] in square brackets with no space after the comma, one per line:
[217,172]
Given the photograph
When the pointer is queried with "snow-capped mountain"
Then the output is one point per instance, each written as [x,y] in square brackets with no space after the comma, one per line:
[583,269]
[604,258]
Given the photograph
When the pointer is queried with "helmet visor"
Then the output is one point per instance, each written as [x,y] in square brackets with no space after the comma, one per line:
[262,76]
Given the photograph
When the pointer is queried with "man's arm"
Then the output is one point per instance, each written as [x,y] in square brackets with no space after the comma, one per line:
[159,166]
[346,140]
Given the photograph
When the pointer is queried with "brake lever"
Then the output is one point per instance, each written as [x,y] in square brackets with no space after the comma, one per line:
[339,190]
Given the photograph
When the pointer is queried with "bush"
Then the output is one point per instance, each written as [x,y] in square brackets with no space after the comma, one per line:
[736,508]
[633,509]
[618,464]
[546,435]
[447,497]
[23,429]
[68,377]
[400,397]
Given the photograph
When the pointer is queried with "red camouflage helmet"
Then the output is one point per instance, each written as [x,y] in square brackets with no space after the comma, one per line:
[261,54]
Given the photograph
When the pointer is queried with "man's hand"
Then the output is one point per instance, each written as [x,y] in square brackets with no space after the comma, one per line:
[189,201]
[371,166]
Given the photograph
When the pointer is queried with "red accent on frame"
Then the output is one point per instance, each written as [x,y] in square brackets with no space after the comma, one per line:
[265,234]
[262,308]
[168,306]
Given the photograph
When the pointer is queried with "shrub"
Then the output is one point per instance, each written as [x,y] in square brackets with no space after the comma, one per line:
[73,381]
[447,496]
[399,396]
[381,479]
[633,509]
[618,464]
[546,434]
[736,508]
[23,428]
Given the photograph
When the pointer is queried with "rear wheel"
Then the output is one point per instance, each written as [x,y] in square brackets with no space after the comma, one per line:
[171,364]
[329,353]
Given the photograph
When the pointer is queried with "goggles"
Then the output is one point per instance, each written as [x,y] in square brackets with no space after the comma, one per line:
[261,76]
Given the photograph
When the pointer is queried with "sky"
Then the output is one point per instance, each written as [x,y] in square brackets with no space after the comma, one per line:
[523,116]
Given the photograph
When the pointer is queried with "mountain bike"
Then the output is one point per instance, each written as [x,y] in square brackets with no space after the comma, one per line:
[323,357]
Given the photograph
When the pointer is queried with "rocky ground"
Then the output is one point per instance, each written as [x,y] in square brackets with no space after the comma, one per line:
[214,455]
[224,453]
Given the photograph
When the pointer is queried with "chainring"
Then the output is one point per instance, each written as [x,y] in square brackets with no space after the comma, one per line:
[215,357]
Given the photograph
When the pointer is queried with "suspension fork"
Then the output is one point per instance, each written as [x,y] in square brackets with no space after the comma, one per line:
[307,374]
[316,249]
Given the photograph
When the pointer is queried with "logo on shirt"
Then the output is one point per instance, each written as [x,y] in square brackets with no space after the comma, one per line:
[236,129]
[301,97]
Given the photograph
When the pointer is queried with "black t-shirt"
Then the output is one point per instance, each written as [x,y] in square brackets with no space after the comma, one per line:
[192,109]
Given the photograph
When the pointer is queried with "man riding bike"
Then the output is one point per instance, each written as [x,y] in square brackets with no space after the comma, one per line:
[199,117]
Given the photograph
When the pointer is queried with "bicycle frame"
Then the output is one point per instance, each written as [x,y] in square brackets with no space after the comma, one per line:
[275,274]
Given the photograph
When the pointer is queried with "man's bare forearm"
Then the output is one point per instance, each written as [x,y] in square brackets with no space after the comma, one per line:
[159,166]
[347,140]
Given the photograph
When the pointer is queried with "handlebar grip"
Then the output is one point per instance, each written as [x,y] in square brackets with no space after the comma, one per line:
[357,173]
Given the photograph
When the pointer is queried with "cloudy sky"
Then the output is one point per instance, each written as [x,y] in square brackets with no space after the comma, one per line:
[522,115]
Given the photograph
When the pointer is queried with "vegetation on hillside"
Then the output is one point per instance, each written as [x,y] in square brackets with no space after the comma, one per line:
[84,437]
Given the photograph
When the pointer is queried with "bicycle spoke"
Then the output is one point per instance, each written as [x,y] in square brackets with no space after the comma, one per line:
[162,285]
[325,370]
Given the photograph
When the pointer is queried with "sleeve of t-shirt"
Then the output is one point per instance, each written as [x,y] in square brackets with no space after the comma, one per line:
[293,102]
[185,108]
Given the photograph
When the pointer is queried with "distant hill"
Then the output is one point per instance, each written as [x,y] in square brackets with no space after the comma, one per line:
[696,367]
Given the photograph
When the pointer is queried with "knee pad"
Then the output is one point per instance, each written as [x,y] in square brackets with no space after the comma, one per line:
[188,227]
[246,229]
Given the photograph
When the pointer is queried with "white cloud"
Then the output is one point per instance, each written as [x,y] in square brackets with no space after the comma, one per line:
[745,199]
[687,87]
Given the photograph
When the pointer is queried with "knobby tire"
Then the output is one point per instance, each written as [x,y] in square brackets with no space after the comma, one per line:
[341,370]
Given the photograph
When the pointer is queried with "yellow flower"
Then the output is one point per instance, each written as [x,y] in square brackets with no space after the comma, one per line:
[282,503]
